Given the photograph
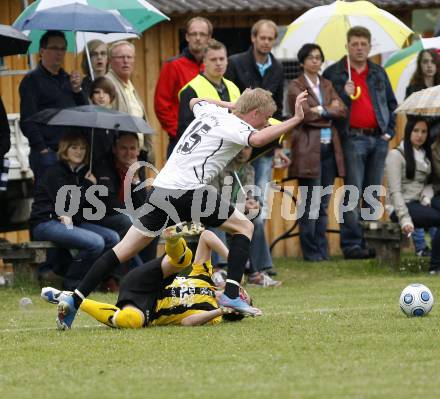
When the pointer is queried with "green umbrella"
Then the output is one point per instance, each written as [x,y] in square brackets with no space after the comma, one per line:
[139,13]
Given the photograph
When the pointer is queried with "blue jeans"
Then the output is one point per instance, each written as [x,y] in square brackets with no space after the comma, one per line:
[419,238]
[90,239]
[364,166]
[313,223]
[263,175]
[259,252]
[40,162]
[426,217]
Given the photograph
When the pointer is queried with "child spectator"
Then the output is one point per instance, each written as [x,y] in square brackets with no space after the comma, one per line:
[98,52]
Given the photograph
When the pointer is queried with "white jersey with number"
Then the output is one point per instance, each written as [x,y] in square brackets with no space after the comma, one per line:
[212,139]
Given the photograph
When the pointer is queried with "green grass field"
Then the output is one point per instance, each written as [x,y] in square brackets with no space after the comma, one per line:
[333,330]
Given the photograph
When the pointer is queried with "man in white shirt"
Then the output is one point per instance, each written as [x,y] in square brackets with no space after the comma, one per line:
[180,190]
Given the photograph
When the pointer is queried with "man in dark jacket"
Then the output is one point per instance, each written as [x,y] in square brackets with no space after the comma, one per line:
[257,67]
[366,131]
[177,72]
[47,86]
[111,174]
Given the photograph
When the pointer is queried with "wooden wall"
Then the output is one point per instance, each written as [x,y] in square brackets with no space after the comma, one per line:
[157,45]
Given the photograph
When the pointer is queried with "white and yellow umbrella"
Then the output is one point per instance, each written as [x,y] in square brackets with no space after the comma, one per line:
[328,26]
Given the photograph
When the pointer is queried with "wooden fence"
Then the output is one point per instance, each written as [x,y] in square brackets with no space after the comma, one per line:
[157,45]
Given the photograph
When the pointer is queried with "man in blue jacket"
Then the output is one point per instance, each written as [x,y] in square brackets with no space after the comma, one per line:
[367,130]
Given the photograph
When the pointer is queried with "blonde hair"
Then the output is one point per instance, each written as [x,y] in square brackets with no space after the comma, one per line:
[257,25]
[92,46]
[69,140]
[252,99]
[215,45]
[118,44]
[199,19]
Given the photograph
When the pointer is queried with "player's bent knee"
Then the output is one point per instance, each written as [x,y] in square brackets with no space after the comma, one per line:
[129,317]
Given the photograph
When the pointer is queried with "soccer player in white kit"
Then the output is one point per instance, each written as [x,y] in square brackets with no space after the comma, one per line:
[181,189]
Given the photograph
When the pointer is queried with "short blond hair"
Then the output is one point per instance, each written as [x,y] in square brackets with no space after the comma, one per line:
[215,45]
[118,44]
[199,19]
[257,25]
[252,99]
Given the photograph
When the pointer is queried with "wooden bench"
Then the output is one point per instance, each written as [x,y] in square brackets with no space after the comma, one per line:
[25,258]
[387,239]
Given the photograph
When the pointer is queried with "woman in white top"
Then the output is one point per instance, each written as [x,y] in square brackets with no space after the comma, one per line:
[408,171]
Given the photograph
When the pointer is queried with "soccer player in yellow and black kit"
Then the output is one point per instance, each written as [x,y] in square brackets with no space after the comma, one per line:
[153,294]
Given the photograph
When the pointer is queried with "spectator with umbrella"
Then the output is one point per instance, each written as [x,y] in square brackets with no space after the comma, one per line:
[366,91]
[47,86]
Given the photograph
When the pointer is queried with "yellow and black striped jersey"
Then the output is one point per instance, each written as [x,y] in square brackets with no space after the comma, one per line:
[185,296]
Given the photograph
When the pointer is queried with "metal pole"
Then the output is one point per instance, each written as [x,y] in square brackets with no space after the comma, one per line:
[92,75]
[25,4]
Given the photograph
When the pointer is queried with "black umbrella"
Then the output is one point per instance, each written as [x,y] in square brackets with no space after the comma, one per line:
[95,117]
[12,41]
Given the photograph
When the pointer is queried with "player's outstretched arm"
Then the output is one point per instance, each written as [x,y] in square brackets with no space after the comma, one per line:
[224,104]
[268,134]
[199,319]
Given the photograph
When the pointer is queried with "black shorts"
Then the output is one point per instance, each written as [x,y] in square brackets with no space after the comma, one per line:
[165,207]
[142,286]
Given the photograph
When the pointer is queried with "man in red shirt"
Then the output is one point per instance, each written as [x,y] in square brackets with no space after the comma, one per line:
[365,133]
[177,72]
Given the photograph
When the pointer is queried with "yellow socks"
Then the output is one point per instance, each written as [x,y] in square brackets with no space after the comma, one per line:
[179,253]
[103,312]
[112,316]
[129,317]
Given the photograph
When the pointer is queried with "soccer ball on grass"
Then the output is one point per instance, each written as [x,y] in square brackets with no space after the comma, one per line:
[416,300]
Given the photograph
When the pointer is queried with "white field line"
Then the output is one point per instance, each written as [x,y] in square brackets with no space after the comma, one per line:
[296,312]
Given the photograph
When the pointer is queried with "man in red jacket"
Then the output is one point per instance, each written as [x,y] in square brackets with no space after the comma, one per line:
[177,72]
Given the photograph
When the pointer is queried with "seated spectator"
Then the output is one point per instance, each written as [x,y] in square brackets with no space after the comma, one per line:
[102,93]
[243,175]
[98,52]
[317,156]
[90,239]
[111,173]
[408,171]
[427,74]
